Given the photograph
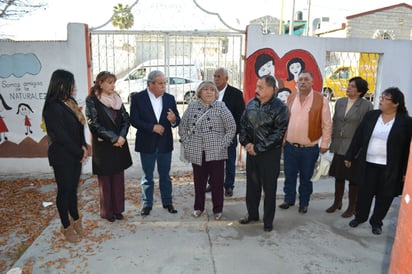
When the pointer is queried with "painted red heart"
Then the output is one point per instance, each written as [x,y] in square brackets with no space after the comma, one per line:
[256,61]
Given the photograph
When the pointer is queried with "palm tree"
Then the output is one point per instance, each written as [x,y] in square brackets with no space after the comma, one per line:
[123,17]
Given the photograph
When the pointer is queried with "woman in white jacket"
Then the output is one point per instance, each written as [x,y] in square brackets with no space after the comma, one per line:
[206,129]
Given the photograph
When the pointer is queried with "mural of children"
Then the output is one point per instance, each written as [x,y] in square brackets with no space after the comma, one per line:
[265,65]
[283,94]
[294,67]
[25,109]
[3,127]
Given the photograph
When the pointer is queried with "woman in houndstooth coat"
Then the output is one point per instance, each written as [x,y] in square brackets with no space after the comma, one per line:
[206,130]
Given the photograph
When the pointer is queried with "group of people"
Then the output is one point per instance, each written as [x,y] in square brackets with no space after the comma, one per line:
[370,147]
[153,113]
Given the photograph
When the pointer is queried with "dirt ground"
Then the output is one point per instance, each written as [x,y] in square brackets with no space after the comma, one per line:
[23,216]
[28,206]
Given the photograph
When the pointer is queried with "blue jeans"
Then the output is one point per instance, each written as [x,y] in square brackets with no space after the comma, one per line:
[163,168]
[302,161]
[231,165]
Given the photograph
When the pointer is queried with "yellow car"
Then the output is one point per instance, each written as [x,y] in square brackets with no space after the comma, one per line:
[337,77]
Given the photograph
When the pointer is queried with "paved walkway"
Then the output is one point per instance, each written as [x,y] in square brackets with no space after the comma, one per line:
[316,242]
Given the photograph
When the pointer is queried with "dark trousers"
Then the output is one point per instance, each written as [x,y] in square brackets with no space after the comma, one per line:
[67,178]
[215,171]
[373,186]
[111,189]
[231,164]
[262,171]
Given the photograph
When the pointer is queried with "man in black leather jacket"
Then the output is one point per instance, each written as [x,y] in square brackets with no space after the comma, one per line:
[262,129]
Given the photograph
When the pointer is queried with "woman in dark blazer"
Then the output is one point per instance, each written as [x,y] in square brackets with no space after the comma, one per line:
[108,122]
[381,146]
[67,148]
[348,114]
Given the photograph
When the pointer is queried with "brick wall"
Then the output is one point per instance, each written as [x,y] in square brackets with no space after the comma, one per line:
[397,21]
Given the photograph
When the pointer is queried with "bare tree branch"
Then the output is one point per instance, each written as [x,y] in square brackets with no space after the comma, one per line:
[14,9]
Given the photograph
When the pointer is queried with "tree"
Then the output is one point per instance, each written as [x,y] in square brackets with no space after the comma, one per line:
[14,9]
[123,17]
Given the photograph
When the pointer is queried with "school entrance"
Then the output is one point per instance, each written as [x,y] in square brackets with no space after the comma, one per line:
[128,53]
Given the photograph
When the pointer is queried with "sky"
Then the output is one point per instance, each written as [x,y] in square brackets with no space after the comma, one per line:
[50,23]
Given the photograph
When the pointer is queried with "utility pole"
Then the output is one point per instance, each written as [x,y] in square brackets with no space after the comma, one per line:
[308,24]
[281,18]
[292,20]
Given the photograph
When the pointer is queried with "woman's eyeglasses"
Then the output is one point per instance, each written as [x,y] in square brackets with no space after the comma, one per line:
[385,98]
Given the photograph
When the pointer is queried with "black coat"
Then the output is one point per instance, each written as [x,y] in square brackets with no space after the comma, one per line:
[264,125]
[106,126]
[397,149]
[233,99]
[65,134]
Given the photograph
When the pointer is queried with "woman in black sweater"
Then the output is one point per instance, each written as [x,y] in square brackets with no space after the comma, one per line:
[67,148]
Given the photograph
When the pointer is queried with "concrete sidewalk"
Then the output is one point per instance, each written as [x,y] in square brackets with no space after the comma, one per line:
[316,242]
[164,243]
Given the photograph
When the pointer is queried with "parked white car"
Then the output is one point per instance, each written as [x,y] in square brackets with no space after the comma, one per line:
[183,78]
[182,89]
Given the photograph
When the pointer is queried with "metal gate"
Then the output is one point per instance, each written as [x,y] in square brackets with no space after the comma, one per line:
[125,52]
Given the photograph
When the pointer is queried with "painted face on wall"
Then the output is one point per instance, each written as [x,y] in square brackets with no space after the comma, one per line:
[267,69]
[295,69]
[283,95]
[23,110]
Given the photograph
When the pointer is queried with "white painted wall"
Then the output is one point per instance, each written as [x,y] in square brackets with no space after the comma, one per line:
[25,71]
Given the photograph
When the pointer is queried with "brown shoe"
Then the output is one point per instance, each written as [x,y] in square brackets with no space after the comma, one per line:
[285,205]
[334,207]
[353,194]
[337,202]
[70,235]
[348,212]
[77,226]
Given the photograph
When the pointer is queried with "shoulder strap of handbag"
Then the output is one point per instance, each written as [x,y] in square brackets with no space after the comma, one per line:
[198,120]
[203,115]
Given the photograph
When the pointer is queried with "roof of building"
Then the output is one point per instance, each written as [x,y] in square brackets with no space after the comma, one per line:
[378,10]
